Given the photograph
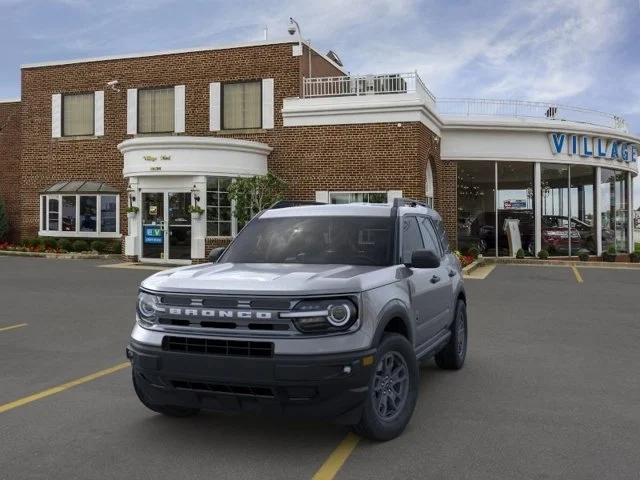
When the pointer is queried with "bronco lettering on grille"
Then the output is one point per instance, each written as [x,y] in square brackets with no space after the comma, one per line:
[213,313]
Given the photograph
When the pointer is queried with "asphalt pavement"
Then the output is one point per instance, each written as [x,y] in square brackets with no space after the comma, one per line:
[550,389]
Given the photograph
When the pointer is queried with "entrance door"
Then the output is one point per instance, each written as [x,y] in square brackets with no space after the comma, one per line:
[166,226]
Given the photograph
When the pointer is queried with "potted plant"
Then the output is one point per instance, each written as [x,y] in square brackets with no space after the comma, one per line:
[196,211]
[583,255]
[132,211]
[610,254]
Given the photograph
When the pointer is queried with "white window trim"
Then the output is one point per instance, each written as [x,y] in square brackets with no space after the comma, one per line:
[78,234]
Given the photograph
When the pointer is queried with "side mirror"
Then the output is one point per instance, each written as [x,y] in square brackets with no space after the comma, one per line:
[424,259]
[215,254]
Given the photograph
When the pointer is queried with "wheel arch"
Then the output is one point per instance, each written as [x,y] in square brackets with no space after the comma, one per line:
[395,318]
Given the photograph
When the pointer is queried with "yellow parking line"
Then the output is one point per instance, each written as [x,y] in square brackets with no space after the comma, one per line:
[333,464]
[60,388]
[19,325]
[576,273]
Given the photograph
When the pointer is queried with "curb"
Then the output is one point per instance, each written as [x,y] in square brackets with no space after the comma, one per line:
[565,263]
[62,256]
[478,262]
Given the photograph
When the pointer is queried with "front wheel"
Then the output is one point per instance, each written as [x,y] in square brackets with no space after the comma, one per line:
[393,390]
[452,356]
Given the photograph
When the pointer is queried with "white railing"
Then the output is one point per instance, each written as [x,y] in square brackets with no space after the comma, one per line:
[356,85]
[519,108]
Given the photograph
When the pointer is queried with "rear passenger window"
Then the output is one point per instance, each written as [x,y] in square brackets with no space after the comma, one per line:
[429,236]
[411,238]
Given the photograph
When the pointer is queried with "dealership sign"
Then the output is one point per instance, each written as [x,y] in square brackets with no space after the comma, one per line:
[596,147]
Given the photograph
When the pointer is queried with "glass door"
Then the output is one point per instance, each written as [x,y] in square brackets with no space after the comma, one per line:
[153,226]
[179,238]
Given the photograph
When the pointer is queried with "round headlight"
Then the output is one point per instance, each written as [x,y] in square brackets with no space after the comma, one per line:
[339,315]
[146,306]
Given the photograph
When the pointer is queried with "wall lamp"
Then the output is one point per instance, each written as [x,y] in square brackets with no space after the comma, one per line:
[195,192]
[131,191]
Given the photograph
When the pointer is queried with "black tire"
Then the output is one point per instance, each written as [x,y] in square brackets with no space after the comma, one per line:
[453,355]
[382,426]
[169,410]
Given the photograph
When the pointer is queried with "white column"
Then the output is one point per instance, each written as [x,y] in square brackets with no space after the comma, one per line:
[597,215]
[132,244]
[537,208]
[199,225]
[630,212]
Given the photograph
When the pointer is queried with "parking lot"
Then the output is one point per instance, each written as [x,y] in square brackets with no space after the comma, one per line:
[550,390]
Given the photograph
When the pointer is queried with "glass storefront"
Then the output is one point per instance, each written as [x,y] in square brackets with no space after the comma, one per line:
[497,201]
[477,207]
[516,220]
[614,192]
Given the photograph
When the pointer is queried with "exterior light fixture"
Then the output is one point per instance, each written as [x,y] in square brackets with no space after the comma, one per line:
[131,191]
[195,192]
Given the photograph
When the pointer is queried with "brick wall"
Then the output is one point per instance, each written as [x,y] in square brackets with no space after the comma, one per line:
[10,163]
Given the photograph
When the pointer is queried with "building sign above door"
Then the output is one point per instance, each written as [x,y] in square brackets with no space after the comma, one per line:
[589,146]
[153,158]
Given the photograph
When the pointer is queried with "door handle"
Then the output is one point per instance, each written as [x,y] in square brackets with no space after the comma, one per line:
[435,279]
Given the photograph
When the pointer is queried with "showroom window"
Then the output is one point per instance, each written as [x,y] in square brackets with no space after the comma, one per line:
[156,110]
[78,114]
[79,209]
[476,207]
[219,209]
[357,197]
[428,187]
[242,105]
[515,205]
[614,209]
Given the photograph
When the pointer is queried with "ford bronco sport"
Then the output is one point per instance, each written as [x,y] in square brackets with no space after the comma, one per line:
[319,311]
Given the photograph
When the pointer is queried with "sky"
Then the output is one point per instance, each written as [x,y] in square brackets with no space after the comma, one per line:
[578,52]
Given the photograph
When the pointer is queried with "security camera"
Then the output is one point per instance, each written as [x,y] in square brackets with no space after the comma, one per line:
[112,85]
[291,29]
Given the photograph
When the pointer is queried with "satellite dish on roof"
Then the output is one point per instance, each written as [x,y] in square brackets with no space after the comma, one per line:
[334,57]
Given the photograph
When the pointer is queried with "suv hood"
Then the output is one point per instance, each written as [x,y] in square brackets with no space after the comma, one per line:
[270,278]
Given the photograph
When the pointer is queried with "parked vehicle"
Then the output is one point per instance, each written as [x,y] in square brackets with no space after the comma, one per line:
[320,311]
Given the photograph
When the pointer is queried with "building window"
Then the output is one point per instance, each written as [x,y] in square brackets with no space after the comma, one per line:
[516,220]
[614,210]
[156,110]
[357,197]
[219,211]
[428,187]
[75,215]
[242,105]
[477,207]
[78,114]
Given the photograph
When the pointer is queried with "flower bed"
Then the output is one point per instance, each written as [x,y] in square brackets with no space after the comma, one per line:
[465,260]
[23,248]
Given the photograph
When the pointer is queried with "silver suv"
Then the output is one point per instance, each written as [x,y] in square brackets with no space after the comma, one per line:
[320,311]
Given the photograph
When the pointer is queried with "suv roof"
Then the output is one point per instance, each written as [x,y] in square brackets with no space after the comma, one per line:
[400,206]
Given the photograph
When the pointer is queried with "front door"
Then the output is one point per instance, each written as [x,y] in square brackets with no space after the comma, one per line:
[166,227]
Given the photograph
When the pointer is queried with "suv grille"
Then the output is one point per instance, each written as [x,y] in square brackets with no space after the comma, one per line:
[245,390]
[232,348]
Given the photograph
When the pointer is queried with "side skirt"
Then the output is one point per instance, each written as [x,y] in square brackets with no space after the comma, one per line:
[432,347]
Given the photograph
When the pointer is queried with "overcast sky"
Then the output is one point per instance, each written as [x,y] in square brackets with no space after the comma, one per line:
[579,52]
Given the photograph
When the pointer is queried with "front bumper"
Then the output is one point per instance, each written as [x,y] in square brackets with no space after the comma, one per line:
[311,386]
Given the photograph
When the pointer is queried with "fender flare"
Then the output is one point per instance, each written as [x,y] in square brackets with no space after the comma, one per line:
[393,309]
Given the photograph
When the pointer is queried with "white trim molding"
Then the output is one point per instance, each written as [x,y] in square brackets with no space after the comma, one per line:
[132,111]
[215,111]
[98,115]
[267,103]
[183,155]
[56,115]
[179,98]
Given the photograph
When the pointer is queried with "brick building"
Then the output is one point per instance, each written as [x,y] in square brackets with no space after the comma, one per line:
[162,131]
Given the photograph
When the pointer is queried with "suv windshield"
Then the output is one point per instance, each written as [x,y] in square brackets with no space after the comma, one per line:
[316,240]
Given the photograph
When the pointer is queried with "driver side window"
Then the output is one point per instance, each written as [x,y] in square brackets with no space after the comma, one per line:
[429,236]
[411,238]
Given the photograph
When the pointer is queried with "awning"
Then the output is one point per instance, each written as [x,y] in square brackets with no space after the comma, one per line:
[81,186]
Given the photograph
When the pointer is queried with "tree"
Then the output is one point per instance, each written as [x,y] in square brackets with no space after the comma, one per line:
[253,194]
[4,221]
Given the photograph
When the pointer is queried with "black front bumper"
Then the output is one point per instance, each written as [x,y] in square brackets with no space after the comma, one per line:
[310,386]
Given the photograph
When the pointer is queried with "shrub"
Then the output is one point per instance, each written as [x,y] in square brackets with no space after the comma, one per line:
[29,242]
[80,246]
[543,254]
[634,257]
[520,253]
[98,246]
[473,252]
[610,254]
[115,246]
[65,244]
[4,222]
[583,255]
[49,243]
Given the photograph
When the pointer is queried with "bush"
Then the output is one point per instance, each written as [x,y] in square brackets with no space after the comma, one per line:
[80,246]
[114,247]
[583,255]
[520,253]
[49,243]
[610,254]
[65,244]
[543,254]
[4,222]
[474,252]
[98,246]
[634,257]
[29,242]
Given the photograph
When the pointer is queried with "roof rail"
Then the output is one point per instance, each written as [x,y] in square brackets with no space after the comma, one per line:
[294,203]
[409,202]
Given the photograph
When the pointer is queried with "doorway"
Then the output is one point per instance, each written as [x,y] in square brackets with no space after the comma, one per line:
[166,227]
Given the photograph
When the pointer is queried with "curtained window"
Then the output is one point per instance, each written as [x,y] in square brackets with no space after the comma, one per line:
[242,105]
[156,110]
[77,114]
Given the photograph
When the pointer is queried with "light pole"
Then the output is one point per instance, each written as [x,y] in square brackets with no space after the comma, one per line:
[294,28]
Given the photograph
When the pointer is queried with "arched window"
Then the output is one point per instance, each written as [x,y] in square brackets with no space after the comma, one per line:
[428,186]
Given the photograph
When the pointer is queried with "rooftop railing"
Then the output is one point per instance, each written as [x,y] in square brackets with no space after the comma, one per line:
[472,107]
[352,85]
[397,83]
